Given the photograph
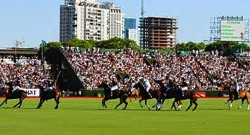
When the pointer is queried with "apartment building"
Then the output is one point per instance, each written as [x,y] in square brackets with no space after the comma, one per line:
[87,19]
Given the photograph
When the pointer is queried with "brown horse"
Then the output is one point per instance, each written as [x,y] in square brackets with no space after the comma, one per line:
[191,95]
[145,96]
[18,94]
[243,95]
[121,94]
[47,95]
[135,94]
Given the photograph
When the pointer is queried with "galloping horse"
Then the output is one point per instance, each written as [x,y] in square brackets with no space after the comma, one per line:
[47,95]
[243,95]
[191,95]
[165,94]
[121,94]
[55,94]
[132,92]
[18,94]
[135,94]
[145,96]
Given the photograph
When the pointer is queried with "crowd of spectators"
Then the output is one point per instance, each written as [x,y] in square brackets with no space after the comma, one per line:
[202,72]
[28,72]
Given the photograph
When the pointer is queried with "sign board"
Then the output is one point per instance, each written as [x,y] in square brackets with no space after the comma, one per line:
[232,30]
[32,92]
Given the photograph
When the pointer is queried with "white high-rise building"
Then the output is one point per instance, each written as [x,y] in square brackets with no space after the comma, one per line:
[97,21]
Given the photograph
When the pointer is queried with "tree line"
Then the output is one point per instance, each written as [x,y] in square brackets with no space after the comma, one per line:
[224,47]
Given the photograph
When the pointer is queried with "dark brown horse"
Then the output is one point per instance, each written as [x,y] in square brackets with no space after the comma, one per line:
[18,94]
[145,96]
[191,95]
[47,95]
[121,94]
[166,93]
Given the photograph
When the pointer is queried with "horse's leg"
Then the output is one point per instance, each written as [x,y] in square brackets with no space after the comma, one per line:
[19,103]
[40,104]
[173,105]
[179,105]
[125,102]
[196,105]
[103,103]
[140,102]
[146,103]
[248,105]
[5,101]
[242,101]
[21,100]
[158,105]
[155,105]
[119,103]
[190,104]
[230,103]
[57,102]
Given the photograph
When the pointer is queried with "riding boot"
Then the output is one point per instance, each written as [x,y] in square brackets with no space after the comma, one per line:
[149,95]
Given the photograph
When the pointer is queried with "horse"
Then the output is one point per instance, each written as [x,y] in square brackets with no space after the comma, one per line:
[243,95]
[145,96]
[121,94]
[18,94]
[135,94]
[191,95]
[132,92]
[47,95]
[165,94]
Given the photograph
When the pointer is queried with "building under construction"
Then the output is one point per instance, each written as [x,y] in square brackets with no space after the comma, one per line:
[157,32]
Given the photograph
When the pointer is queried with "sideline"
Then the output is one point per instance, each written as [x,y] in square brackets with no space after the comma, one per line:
[102,97]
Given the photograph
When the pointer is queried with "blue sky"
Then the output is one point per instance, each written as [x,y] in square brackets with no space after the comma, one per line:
[34,20]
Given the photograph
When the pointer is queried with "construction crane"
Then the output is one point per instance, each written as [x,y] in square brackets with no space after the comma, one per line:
[142,8]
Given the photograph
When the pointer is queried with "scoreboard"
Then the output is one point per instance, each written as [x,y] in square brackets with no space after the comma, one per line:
[232,30]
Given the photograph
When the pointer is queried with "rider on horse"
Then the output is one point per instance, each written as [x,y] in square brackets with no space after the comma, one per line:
[236,88]
[146,85]
[184,86]
[169,84]
[48,85]
[113,86]
[16,86]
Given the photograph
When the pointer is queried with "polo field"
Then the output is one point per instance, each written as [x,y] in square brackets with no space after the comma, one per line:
[87,116]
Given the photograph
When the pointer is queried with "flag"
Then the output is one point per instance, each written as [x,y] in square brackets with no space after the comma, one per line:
[43,43]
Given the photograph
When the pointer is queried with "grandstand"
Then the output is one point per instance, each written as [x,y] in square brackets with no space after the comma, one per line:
[86,69]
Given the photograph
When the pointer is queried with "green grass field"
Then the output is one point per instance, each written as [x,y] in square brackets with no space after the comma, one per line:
[86,116]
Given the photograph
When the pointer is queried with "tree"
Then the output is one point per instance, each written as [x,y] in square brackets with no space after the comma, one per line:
[189,46]
[224,47]
[118,43]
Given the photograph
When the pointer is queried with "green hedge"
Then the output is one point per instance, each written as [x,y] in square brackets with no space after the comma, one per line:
[215,93]
[95,93]
[210,93]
